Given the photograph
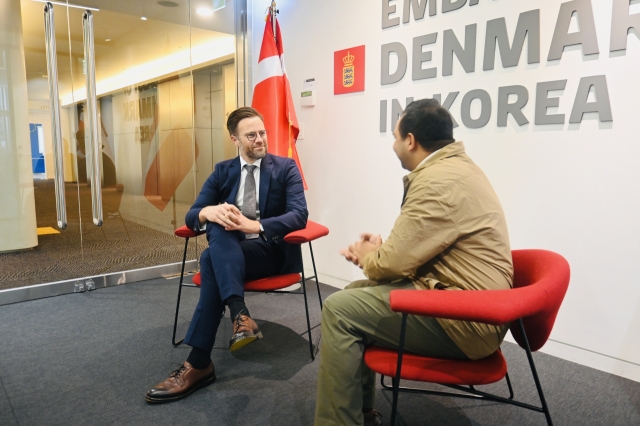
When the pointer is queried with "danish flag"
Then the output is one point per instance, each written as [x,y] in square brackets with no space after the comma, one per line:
[272,97]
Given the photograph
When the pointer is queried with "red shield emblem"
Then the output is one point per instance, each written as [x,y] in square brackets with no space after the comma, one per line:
[348,70]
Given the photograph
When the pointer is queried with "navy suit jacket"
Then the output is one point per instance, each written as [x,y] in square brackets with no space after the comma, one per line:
[283,207]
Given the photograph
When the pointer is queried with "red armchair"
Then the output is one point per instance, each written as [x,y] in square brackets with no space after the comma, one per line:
[312,232]
[540,283]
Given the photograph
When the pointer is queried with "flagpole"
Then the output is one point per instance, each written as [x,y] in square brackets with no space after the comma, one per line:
[273,11]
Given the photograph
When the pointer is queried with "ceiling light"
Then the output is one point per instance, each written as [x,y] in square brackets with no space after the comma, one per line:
[144,18]
[168,3]
[204,11]
[107,39]
[218,4]
[78,6]
[212,50]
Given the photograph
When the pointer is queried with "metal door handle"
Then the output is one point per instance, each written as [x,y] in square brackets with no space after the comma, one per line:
[54,105]
[92,119]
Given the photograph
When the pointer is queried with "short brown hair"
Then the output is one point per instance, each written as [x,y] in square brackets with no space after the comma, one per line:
[238,115]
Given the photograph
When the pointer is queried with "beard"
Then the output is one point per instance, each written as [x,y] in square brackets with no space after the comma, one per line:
[255,154]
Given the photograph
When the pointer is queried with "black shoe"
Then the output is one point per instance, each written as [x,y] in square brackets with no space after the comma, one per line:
[373,418]
[181,383]
[245,331]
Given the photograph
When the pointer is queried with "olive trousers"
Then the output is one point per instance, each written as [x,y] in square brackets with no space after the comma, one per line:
[353,319]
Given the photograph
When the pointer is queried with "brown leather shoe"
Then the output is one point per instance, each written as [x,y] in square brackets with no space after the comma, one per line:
[245,331]
[181,382]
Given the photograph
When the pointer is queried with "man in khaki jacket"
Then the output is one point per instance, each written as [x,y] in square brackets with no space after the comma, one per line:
[451,235]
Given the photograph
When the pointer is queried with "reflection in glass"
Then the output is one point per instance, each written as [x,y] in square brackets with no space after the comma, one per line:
[164,89]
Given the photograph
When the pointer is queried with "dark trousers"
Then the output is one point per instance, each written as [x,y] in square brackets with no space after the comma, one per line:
[225,265]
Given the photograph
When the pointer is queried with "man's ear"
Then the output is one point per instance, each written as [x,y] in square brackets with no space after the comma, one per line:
[412,143]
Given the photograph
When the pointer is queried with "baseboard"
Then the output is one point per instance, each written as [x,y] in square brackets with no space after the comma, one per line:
[80,285]
[328,279]
[606,363]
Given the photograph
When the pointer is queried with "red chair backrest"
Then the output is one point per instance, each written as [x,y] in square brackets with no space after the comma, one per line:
[543,277]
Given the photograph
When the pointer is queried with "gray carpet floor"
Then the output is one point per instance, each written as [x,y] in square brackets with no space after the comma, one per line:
[118,245]
[88,359]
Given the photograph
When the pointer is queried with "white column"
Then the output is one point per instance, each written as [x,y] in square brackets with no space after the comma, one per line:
[17,204]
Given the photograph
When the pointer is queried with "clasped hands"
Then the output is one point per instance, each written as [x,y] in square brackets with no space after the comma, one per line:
[357,251]
[230,218]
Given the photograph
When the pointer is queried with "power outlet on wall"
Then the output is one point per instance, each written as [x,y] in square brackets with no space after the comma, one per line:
[301,134]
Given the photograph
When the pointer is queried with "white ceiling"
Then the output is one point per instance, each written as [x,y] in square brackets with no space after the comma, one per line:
[220,21]
[138,50]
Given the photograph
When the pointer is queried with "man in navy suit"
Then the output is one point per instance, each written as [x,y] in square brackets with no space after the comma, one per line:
[246,206]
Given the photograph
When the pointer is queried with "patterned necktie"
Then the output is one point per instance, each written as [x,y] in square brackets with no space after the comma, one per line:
[249,204]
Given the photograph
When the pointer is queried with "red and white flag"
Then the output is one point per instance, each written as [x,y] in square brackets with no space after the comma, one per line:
[272,97]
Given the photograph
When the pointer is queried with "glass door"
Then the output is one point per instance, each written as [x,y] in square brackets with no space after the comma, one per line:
[139,146]
[45,43]
[134,131]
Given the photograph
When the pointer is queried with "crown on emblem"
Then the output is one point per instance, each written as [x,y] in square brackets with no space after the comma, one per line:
[348,60]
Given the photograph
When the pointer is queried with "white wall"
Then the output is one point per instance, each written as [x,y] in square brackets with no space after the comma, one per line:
[18,214]
[571,188]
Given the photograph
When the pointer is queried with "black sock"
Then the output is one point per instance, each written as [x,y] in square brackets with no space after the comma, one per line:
[199,359]
[236,305]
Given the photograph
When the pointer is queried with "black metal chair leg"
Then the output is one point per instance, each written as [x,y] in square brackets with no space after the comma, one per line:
[545,408]
[396,380]
[175,321]
[315,274]
[306,308]
[506,376]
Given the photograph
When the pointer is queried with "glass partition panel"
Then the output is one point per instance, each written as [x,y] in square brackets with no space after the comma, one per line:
[58,252]
[215,85]
[165,81]
[144,107]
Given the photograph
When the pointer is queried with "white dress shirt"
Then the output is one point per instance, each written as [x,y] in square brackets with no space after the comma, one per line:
[425,158]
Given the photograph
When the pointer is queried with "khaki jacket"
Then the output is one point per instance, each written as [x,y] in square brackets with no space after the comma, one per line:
[451,235]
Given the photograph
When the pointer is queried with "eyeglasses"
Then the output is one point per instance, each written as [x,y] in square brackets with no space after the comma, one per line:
[251,136]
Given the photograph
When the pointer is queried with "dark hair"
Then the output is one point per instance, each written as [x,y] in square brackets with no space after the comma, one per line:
[238,115]
[430,123]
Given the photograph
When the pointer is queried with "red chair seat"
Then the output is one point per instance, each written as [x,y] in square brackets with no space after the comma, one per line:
[311,232]
[272,283]
[185,232]
[435,370]
[264,284]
